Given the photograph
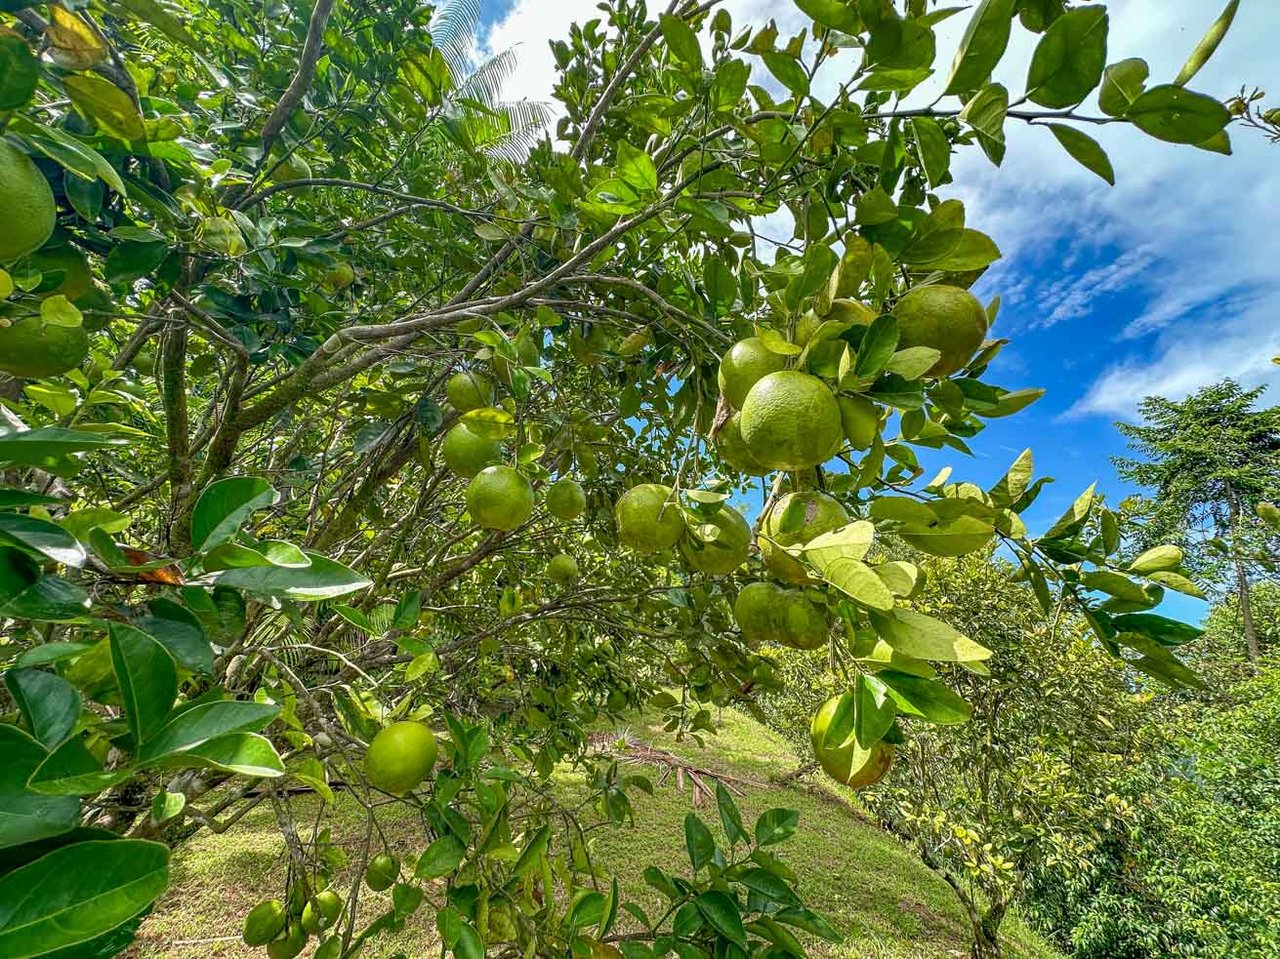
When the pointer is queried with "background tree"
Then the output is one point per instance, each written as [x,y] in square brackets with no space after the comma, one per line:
[1209,460]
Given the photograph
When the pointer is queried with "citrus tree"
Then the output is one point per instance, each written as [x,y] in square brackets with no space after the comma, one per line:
[341,451]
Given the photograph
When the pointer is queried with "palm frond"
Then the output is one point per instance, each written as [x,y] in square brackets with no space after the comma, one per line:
[485,82]
[453,31]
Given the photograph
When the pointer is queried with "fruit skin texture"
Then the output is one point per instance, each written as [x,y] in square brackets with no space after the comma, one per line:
[294,941]
[801,624]
[726,552]
[339,277]
[756,611]
[382,872]
[33,349]
[742,367]
[264,922]
[400,757]
[566,499]
[468,391]
[466,453]
[647,522]
[848,763]
[500,498]
[790,421]
[733,449]
[563,569]
[27,209]
[822,514]
[321,912]
[947,318]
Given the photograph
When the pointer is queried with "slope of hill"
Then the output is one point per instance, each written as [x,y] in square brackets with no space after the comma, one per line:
[888,905]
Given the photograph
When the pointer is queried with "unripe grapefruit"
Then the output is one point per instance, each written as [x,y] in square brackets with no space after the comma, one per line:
[500,498]
[946,318]
[27,208]
[264,922]
[400,757]
[294,941]
[726,552]
[756,612]
[466,453]
[742,367]
[76,279]
[563,569]
[801,623]
[648,517]
[847,762]
[793,520]
[382,872]
[339,276]
[790,421]
[566,499]
[31,348]
[321,912]
[469,391]
[293,167]
[733,449]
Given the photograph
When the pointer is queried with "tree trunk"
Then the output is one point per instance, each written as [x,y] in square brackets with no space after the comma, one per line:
[1242,578]
[986,944]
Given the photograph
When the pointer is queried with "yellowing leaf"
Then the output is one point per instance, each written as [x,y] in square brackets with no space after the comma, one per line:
[107,105]
[59,311]
[73,44]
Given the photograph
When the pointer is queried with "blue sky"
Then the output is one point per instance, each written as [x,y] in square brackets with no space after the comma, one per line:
[1161,284]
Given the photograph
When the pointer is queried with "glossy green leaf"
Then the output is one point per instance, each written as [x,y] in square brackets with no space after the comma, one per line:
[105,103]
[323,579]
[27,593]
[1069,59]
[926,698]
[50,705]
[246,754]
[698,842]
[224,506]
[42,537]
[26,816]
[1178,115]
[923,637]
[1085,150]
[19,71]
[71,770]
[681,41]
[983,44]
[1208,44]
[147,677]
[986,113]
[722,915]
[442,857]
[77,893]
[775,826]
[788,72]
[1122,83]
[204,722]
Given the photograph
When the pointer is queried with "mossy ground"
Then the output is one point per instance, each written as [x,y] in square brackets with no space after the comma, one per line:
[869,885]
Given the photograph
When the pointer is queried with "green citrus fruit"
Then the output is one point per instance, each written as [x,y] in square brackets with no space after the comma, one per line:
[27,209]
[851,311]
[726,552]
[793,520]
[790,421]
[947,318]
[801,623]
[76,278]
[322,911]
[382,872]
[649,519]
[469,391]
[861,420]
[293,942]
[566,499]
[848,763]
[400,757]
[264,922]
[31,348]
[756,612]
[589,349]
[733,449]
[742,367]
[500,498]
[339,276]
[563,569]
[466,453]
[293,167]
[331,948]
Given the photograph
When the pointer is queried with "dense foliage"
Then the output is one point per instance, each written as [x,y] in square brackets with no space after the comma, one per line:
[295,353]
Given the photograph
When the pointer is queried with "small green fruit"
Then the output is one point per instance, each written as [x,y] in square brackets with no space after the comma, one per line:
[382,872]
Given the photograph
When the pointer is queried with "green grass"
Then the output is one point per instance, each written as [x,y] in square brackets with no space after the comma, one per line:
[874,889]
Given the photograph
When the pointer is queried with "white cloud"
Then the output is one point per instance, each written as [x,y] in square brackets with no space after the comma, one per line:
[1191,232]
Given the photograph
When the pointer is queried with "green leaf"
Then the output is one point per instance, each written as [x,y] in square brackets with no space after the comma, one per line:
[636,168]
[1165,631]
[1114,584]
[77,893]
[1086,150]
[722,915]
[974,251]
[166,805]
[1177,115]
[1122,83]
[859,582]
[984,43]
[534,853]
[105,103]
[224,506]
[913,362]
[147,677]
[775,826]
[26,816]
[491,422]
[57,310]
[698,842]
[875,207]
[50,705]
[41,537]
[923,637]
[1177,581]
[834,14]
[204,722]
[27,594]
[179,631]
[19,71]
[873,713]
[47,447]
[323,579]
[986,113]
[729,85]
[934,150]
[850,542]
[246,754]
[18,498]
[681,41]
[925,698]
[773,888]
[72,155]
[775,342]
[955,537]
[71,770]
[730,817]
[1014,482]
[1069,59]
[1070,522]
[788,72]
[1208,44]
[877,348]
[442,857]
[809,921]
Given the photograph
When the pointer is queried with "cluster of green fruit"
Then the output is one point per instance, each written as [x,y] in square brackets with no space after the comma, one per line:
[649,520]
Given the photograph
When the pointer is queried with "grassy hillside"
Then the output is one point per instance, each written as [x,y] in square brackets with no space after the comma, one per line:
[871,887]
